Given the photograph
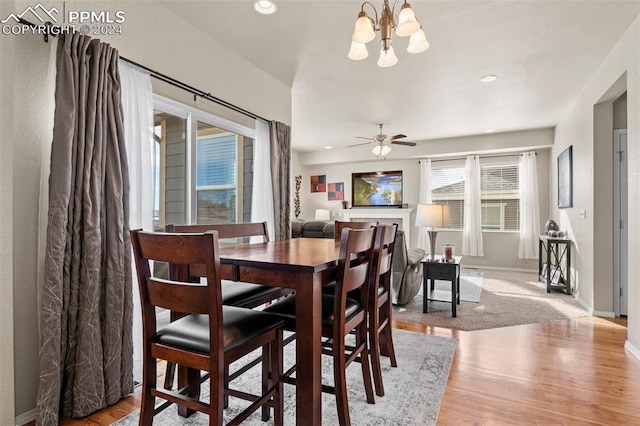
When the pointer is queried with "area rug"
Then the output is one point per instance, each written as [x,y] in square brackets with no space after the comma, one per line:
[508,298]
[413,390]
[470,287]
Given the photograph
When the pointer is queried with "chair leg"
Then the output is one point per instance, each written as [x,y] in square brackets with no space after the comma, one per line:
[361,339]
[149,382]
[225,398]
[374,349]
[267,370]
[185,376]
[386,334]
[276,361]
[169,375]
[340,382]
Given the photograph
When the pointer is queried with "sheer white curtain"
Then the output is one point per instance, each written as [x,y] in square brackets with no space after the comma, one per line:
[529,207]
[137,108]
[262,200]
[425,198]
[472,235]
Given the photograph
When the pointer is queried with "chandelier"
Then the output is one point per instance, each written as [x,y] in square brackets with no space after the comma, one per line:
[406,25]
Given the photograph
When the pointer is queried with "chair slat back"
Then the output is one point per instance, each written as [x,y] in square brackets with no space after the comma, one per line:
[226,230]
[354,262]
[340,225]
[383,258]
[176,294]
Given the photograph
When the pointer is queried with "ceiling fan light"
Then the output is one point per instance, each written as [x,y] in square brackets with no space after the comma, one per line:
[387,58]
[418,42]
[358,51]
[377,150]
[363,31]
[407,23]
[385,150]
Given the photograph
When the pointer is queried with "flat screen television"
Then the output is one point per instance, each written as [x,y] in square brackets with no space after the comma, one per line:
[376,189]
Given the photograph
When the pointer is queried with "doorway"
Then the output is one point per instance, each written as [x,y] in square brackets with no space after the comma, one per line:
[620,233]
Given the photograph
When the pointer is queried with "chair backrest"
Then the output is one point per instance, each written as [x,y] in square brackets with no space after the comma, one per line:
[354,268]
[178,296]
[340,225]
[226,230]
[382,258]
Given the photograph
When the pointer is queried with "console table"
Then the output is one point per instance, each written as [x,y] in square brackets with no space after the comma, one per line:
[437,269]
[554,263]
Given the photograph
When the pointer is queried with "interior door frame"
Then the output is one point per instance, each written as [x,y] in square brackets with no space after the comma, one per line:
[620,220]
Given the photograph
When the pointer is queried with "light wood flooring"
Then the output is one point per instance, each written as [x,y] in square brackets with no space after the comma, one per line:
[570,372]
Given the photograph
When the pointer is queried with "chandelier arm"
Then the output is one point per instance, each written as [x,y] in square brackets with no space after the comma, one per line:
[375,12]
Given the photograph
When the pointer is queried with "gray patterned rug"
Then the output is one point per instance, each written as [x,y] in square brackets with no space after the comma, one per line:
[470,287]
[413,391]
[508,298]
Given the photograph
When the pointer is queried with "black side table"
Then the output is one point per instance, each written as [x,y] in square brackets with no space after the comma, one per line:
[438,269]
[554,267]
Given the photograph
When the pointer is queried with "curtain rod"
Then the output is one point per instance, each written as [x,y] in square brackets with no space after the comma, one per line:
[476,155]
[163,77]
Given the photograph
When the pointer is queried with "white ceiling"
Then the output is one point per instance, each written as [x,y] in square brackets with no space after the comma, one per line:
[543,53]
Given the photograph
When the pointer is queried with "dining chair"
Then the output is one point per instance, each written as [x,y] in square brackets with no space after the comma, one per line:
[340,225]
[340,315]
[234,293]
[380,310]
[209,336]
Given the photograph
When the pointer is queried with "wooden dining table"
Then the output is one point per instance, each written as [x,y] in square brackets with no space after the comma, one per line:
[304,265]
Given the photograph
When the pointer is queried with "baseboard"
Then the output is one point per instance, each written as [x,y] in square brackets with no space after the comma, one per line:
[27,417]
[603,314]
[634,351]
[587,307]
[497,268]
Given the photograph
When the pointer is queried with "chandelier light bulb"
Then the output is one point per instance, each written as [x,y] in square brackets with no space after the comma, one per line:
[387,58]
[418,42]
[407,23]
[358,51]
[363,31]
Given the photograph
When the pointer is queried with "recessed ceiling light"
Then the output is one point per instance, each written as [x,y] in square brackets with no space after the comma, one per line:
[490,130]
[488,78]
[266,7]
[328,147]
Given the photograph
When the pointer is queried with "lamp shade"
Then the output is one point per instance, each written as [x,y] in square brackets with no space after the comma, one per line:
[407,23]
[363,31]
[432,215]
[322,214]
[418,42]
[387,58]
[358,51]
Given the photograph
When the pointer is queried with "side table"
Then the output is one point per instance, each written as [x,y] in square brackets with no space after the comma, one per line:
[554,263]
[438,269]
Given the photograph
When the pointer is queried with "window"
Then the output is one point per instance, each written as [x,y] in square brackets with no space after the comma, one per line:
[202,167]
[500,208]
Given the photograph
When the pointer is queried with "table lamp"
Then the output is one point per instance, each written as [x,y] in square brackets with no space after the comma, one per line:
[322,214]
[432,216]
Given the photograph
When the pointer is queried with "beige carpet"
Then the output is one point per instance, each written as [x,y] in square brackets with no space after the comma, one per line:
[508,298]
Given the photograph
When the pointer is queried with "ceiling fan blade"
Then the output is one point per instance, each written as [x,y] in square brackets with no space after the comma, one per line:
[404,143]
[399,136]
[362,137]
[358,144]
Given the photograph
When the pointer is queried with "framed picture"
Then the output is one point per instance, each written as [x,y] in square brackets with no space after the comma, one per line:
[565,178]
[319,183]
[335,191]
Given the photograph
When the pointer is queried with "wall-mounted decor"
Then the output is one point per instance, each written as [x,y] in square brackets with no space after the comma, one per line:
[565,178]
[296,198]
[336,191]
[319,183]
[376,189]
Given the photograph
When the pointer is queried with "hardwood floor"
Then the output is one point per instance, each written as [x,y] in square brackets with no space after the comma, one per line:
[571,372]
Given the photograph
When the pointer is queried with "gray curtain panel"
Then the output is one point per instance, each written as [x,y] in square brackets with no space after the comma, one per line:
[86,349]
[280,136]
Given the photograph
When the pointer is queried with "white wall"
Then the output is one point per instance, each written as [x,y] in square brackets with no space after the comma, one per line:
[501,249]
[152,36]
[7,138]
[577,129]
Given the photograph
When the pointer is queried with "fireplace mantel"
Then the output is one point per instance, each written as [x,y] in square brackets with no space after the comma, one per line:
[404,215]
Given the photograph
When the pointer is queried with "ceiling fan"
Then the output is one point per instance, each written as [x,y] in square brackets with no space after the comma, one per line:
[381,142]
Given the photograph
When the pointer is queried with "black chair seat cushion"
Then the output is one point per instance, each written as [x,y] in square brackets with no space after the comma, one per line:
[331,289]
[237,293]
[287,309]
[240,325]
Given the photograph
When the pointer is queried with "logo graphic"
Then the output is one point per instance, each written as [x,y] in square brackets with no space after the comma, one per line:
[38,11]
